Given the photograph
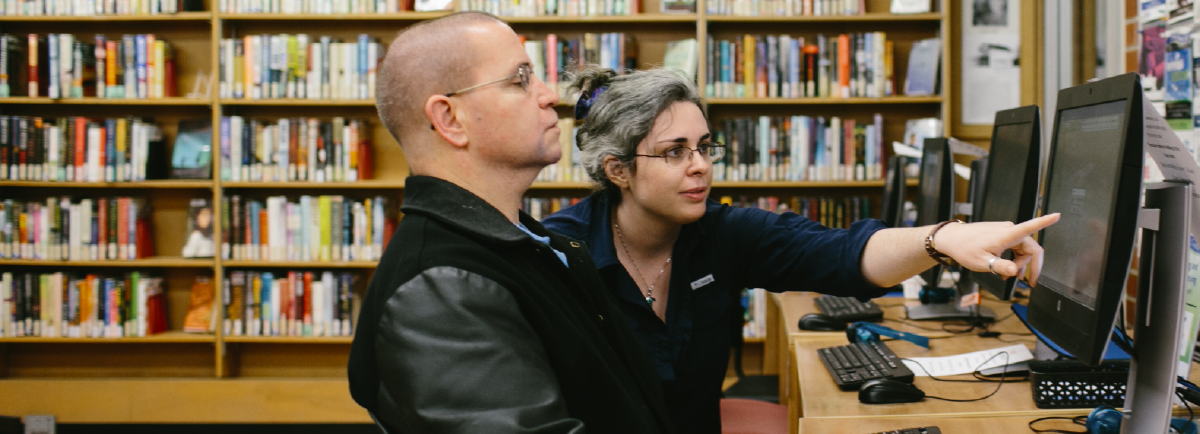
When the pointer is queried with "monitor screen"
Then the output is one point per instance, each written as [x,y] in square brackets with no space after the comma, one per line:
[1085,171]
[1005,184]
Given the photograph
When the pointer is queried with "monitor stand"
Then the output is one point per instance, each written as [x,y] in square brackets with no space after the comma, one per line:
[1160,303]
[950,312]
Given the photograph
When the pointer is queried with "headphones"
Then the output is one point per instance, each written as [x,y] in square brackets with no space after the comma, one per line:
[868,332]
[1104,420]
[931,295]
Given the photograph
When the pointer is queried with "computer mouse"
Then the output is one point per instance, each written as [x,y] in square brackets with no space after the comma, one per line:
[821,323]
[887,391]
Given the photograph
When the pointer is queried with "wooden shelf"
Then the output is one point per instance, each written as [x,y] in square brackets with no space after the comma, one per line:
[154,262]
[163,184]
[289,339]
[869,17]
[172,101]
[826,101]
[182,16]
[755,340]
[370,183]
[168,337]
[299,102]
[299,264]
[640,18]
[402,16]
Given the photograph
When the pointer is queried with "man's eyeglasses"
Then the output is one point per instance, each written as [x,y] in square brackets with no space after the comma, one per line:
[524,72]
[681,155]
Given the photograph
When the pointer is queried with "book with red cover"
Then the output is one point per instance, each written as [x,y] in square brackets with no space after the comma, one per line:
[366,161]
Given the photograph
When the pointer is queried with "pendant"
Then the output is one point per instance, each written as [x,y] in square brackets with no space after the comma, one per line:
[649,300]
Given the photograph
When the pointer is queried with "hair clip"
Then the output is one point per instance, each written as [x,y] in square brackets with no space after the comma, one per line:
[584,105]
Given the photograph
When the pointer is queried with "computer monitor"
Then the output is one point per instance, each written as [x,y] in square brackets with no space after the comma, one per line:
[891,210]
[935,193]
[975,189]
[1010,188]
[1094,181]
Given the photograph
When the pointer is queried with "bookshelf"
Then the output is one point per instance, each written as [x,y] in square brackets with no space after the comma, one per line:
[282,379]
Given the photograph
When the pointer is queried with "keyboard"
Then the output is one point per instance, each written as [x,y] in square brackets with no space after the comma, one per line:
[849,309]
[855,364]
[921,430]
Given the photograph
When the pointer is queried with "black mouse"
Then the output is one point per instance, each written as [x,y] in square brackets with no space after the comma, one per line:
[821,323]
[887,391]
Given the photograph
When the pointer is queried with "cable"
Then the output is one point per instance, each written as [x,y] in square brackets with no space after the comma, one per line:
[1078,420]
[981,365]
[1191,416]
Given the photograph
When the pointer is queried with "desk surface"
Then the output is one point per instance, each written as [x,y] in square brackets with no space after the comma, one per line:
[820,397]
[948,425]
[794,305]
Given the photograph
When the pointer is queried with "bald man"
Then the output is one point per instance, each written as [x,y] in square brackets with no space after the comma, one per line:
[478,319]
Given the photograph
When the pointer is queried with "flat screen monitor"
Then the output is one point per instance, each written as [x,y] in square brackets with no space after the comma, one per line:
[1094,180]
[935,195]
[891,210]
[1010,188]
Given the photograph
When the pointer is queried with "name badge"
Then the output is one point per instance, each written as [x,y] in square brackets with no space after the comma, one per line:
[702,281]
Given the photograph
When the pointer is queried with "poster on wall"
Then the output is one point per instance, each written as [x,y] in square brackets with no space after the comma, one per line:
[991,71]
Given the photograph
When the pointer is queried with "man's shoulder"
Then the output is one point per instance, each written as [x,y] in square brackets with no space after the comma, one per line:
[425,243]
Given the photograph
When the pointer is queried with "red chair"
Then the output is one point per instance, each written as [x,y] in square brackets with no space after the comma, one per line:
[748,416]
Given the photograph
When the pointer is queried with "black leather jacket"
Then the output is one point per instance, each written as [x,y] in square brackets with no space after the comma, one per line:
[470,325]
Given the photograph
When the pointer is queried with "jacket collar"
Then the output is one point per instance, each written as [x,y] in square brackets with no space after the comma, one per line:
[452,205]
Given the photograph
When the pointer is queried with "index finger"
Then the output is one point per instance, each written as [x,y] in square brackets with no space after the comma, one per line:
[1016,233]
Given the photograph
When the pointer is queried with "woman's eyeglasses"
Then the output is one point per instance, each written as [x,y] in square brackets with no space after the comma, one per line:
[681,155]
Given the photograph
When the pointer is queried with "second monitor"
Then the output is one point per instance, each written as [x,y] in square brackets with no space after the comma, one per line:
[1010,188]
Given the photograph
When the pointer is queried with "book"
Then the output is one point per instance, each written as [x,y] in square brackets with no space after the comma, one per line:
[201,315]
[291,303]
[681,56]
[924,63]
[66,304]
[200,243]
[191,157]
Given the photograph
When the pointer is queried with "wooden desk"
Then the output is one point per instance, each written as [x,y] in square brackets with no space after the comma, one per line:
[948,425]
[820,397]
[785,309]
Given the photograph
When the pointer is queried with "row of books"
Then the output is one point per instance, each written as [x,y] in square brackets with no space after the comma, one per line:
[60,229]
[296,149]
[298,66]
[295,303]
[555,59]
[568,168]
[62,66]
[79,149]
[542,207]
[799,148]
[783,66]
[551,8]
[831,212]
[81,305]
[327,7]
[786,8]
[35,8]
[312,228]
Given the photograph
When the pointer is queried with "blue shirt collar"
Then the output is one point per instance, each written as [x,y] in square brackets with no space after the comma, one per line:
[596,211]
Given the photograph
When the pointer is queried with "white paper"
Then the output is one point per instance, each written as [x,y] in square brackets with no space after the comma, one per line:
[967,363]
[905,150]
[963,172]
[1170,156]
[959,147]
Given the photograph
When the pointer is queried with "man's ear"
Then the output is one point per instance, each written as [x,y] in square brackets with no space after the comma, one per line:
[619,173]
[444,120]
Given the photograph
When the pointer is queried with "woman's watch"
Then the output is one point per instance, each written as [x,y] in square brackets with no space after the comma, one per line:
[940,257]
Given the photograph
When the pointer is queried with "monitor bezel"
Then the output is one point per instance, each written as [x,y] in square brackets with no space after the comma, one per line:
[891,208]
[1079,329]
[946,194]
[1003,289]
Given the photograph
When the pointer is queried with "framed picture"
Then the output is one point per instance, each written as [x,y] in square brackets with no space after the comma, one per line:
[192,156]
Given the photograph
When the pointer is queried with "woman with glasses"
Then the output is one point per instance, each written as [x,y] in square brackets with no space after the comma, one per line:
[677,260]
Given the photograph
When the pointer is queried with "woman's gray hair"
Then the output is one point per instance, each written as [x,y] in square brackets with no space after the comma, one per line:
[623,115]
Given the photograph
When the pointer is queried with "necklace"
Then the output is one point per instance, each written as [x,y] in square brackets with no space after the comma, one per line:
[649,286]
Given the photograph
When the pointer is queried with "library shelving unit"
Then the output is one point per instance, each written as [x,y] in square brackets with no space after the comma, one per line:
[177,377]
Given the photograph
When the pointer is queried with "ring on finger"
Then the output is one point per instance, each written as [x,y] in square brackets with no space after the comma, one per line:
[992,264]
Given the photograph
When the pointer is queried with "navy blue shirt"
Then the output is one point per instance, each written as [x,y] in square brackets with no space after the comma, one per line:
[727,250]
